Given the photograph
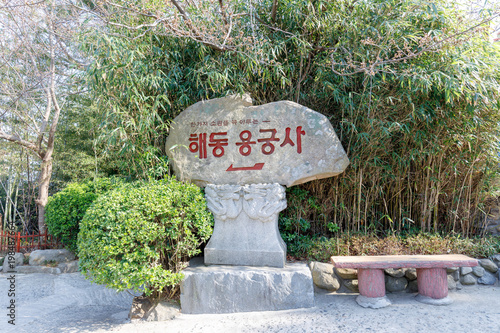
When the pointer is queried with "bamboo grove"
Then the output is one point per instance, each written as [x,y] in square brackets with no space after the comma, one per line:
[421,134]
[411,88]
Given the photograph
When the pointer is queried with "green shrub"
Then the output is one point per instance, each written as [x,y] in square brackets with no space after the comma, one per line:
[139,235]
[66,209]
[295,234]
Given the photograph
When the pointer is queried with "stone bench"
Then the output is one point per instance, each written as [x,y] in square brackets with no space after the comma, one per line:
[431,275]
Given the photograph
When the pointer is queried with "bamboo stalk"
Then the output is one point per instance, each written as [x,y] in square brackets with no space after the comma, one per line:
[359,198]
[424,208]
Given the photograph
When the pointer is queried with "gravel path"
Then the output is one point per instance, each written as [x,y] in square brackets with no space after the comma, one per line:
[69,303]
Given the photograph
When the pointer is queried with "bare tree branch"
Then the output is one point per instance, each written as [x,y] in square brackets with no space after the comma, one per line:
[23,5]
[196,33]
[37,73]
[17,140]
[223,12]
[372,67]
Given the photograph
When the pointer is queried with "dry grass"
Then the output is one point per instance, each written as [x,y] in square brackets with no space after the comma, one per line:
[362,244]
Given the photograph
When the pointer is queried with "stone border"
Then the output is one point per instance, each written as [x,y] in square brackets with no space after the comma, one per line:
[64,259]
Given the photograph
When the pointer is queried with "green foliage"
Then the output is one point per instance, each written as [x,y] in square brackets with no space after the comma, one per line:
[418,117]
[77,157]
[292,233]
[421,135]
[65,209]
[139,235]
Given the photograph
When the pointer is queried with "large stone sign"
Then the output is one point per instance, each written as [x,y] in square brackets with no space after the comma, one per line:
[244,155]
[229,141]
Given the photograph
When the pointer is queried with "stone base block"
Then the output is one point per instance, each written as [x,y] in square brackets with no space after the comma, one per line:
[227,289]
[214,256]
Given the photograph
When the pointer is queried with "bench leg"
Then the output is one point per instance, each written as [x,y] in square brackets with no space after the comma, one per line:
[371,283]
[433,286]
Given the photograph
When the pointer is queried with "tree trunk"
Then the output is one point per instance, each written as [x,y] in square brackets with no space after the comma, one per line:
[43,193]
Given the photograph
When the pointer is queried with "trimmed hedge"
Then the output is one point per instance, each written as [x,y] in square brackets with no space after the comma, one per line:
[66,208]
[139,235]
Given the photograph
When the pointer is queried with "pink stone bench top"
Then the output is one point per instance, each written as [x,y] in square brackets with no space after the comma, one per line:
[404,261]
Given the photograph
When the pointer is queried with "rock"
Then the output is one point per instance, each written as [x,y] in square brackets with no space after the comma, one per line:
[413,286]
[489,265]
[450,270]
[397,273]
[38,257]
[455,275]
[69,267]
[465,270]
[478,271]
[140,306]
[411,274]
[468,280]
[394,284]
[496,259]
[38,269]
[487,279]
[143,309]
[165,310]
[323,276]
[492,227]
[452,284]
[11,261]
[213,141]
[227,289]
[494,213]
[352,285]
[347,273]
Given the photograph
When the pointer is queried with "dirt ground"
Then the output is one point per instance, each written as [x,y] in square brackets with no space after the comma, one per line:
[69,303]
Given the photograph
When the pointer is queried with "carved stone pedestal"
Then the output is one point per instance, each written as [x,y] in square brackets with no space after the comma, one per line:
[246,225]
